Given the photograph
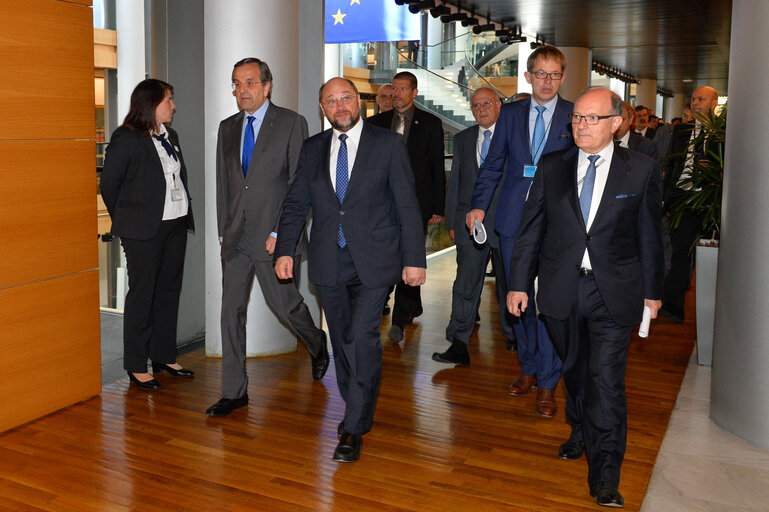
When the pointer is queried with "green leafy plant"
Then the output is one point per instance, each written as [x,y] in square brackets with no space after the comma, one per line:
[700,192]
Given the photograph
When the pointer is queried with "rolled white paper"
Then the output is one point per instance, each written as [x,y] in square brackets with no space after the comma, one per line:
[643,329]
[479,232]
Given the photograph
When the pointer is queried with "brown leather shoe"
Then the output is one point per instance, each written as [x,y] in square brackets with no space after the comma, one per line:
[546,405]
[522,385]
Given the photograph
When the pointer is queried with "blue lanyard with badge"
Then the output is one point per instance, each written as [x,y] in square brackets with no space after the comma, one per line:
[530,170]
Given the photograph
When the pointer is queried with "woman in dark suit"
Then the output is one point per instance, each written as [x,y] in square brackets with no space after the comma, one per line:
[144,185]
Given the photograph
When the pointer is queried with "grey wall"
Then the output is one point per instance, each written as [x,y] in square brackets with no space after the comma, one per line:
[740,376]
[310,61]
[177,57]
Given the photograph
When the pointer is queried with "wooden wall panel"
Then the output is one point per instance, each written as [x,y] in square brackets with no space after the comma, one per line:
[50,346]
[46,70]
[48,209]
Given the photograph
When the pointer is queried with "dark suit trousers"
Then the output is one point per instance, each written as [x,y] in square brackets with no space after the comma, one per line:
[595,359]
[536,352]
[155,268]
[466,293]
[354,314]
[284,300]
[678,277]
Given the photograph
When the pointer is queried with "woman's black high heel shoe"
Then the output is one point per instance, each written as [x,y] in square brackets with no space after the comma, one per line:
[150,385]
[183,372]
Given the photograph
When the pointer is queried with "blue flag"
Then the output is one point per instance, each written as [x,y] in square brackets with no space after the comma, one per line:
[358,21]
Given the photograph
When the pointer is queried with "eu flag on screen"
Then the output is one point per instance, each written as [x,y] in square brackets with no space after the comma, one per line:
[357,21]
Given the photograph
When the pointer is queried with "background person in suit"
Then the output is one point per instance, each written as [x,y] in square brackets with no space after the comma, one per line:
[470,148]
[144,185]
[526,130]
[365,236]
[641,123]
[256,155]
[424,139]
[631,140]
[384,98]
[591,229]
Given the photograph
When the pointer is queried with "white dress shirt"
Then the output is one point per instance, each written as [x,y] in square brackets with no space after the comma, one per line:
[353,141]
[601,175]
[642,133]
[479,141]
[256,123]
[172,174]
[624,141]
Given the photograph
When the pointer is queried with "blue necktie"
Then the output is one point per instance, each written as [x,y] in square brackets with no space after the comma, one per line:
[248,145]
[538,139]
[342,179]
[167,146]
[586,196]
[485,144]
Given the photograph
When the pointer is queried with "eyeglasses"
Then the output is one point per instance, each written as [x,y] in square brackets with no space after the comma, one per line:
[481,106]
[248,84]
[589,119]
[542,75]
[333,102]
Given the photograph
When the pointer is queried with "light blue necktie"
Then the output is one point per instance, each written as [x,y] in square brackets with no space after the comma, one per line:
[586,196]
[248,145]
[538,140]
[342,179]
[485,144]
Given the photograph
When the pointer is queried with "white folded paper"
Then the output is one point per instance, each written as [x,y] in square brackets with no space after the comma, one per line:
[643,329]
[479,232]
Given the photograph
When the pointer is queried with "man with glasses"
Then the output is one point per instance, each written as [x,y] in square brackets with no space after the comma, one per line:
[591,231]
[525,131]
[424,139]
[471,147]
[256,155]
[366,235]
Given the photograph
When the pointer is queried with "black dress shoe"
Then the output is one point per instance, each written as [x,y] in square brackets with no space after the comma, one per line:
[348,449]
[675,317]
[572,449]
[182,372]
[226,405]
[456,354]
[320,363]
[607,495]
[511,345]
[386,310]
[150,385]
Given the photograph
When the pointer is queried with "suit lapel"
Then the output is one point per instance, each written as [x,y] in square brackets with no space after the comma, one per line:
[556,125]
[263,139]
[523,130]
[570,182]
[325,154]
[618,173]
[232,151]
[471,148]
[362,156]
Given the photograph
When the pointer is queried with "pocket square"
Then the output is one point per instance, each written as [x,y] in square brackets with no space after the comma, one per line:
[625,196]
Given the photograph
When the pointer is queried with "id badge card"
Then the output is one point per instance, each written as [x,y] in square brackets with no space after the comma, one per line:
[177,194]
[529,171]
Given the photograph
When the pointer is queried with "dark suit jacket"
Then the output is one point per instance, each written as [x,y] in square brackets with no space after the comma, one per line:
[253,203]
[650,132]
[679,144]
[512,144]
[624,241]
[425,146]
[133,185]
[643,145]
[379,214]
[464,172]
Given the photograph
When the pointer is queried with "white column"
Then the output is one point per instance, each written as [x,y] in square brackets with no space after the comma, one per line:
[434,40]
[740,349]
[579,62]
[130,52]
[646,93]
[524,50]
[233,30]
[674,106]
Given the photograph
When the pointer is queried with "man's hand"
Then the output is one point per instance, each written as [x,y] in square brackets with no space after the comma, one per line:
[451,236]
[654,306]
[269,245]
[435,219]
[284,267]
[472,216]
[517,302]
[414,276]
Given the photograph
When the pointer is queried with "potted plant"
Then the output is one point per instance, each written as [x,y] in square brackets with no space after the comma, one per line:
[700,194]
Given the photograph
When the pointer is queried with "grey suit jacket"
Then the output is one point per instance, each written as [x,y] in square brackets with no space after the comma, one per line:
[464,173]
[252,205]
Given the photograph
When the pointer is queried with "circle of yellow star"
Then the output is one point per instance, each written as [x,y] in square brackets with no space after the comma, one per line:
[354,2]
[338,17]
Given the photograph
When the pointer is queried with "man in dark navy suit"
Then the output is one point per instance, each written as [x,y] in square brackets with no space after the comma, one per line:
[591,231]
[525,131]
[366,236]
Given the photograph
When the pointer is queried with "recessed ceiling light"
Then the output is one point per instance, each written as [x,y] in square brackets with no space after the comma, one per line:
[687,80]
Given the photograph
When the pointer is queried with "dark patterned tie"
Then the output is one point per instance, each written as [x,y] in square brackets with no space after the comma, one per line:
[342,179]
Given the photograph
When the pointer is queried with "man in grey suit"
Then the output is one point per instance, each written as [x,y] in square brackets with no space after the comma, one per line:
[470,149]
[256,157]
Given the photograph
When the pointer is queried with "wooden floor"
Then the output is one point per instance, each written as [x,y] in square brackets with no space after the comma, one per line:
[443,439]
